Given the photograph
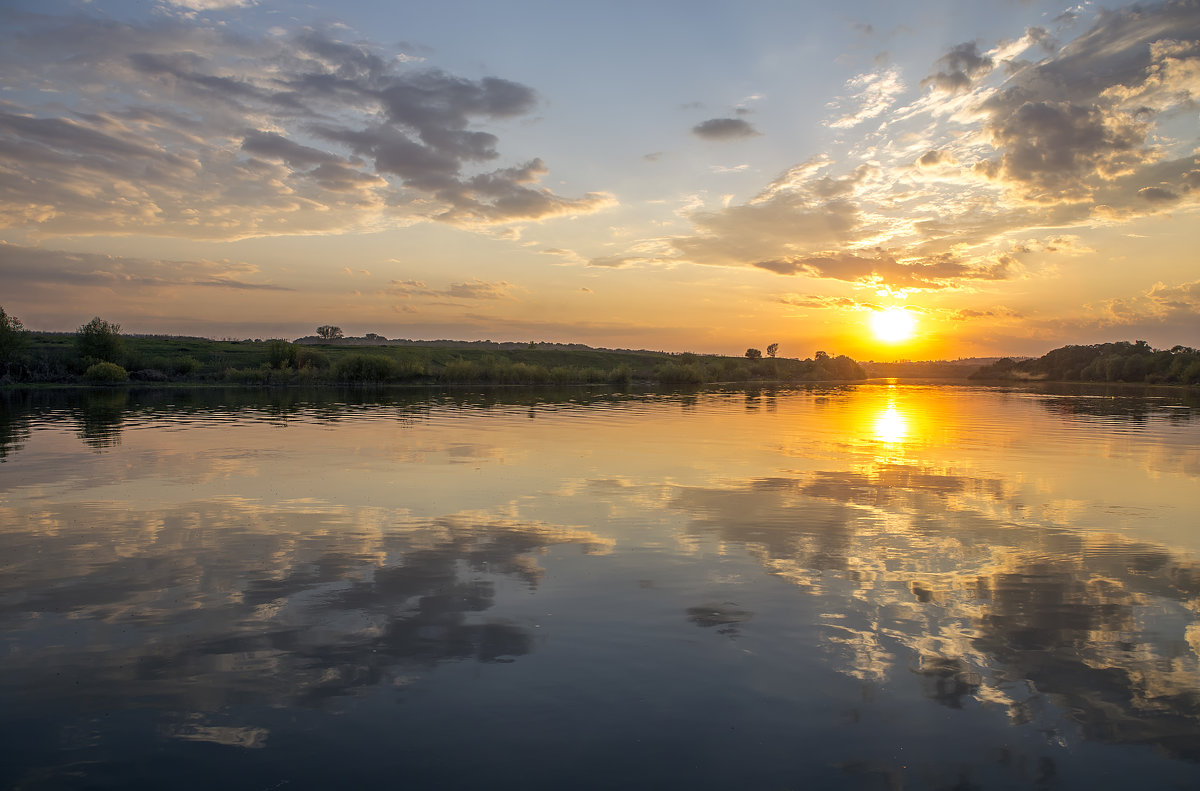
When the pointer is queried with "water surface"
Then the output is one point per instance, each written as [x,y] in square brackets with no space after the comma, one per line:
[875,586]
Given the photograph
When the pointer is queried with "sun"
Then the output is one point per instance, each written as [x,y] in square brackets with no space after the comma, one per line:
[893,325]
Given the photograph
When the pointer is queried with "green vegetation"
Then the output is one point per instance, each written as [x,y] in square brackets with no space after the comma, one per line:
[13,338]
[105,374]
[1103,362]
[98,353]
[99,340]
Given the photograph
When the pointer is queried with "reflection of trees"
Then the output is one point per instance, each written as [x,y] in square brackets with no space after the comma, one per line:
[14,423]
[942,568]
[101,414]
[192,612]
[1134,404]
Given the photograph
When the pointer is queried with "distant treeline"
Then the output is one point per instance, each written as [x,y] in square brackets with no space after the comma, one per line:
[99,354]
[931,369]
[1103,362]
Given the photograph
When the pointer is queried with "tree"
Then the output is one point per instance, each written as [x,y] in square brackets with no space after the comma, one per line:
[822,356]
[100,340]
[329,332]
[12,335]
[772,348]
[754,354]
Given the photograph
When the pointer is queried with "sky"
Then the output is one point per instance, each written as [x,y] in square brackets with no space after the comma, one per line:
[702,176]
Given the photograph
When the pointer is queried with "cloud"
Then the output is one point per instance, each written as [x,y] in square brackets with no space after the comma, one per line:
[723,129]
[1091,134]
[962,65]
[473,289]
[209,5]
[874,93]
[824,302]
[185,128]
[26,268]
[1159,302]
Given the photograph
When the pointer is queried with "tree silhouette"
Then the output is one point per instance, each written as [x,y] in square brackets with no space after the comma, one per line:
[772,348]
[754,354]
[329,332]
[100,340]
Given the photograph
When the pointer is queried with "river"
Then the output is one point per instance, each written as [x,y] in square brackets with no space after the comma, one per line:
[879,586]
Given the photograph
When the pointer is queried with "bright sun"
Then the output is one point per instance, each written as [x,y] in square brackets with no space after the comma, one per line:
[893,325]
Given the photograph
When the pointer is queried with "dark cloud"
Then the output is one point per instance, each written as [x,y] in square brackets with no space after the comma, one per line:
[724,129]
[24,267]
[1157,195]
[933,158]
[1053,150]
[340,135]
[961,66]
[934,272]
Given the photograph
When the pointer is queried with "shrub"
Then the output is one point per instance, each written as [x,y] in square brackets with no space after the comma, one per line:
[105,373]
[12,336]
[185,366]
[366,368]
[673,373]
[311,358]
[281,354]
[621,376]
[99,340]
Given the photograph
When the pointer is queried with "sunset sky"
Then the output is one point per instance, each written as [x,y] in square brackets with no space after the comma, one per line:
[701,176]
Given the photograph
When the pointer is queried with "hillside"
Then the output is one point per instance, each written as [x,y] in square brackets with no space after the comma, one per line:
[1102,362]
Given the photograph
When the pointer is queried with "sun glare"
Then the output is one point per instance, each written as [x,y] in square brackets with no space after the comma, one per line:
[893,325]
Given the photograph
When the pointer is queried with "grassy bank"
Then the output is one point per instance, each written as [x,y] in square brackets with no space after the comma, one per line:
[61,358]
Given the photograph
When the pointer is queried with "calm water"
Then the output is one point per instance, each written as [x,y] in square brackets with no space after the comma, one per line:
[874,586]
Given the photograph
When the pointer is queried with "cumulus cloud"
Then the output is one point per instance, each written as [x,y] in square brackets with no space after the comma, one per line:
[722,129]
[1160,302]
[184,128]
[936,197]
[960,67]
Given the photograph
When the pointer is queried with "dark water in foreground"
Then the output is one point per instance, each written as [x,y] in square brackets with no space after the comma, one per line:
[865,587]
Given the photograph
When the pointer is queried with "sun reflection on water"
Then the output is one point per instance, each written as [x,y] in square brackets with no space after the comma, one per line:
[891,426]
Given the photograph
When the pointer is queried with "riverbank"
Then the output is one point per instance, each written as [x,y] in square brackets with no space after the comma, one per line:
[56,359]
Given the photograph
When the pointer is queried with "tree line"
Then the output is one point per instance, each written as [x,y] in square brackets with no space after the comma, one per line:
[1122,361]
[98,353]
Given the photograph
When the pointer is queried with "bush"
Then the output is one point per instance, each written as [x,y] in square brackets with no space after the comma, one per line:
[185,366]
[366,368]
[673,373]
[99,340]
[311,358]
[281,354]
[621,376]
[12,336]
[105,374]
